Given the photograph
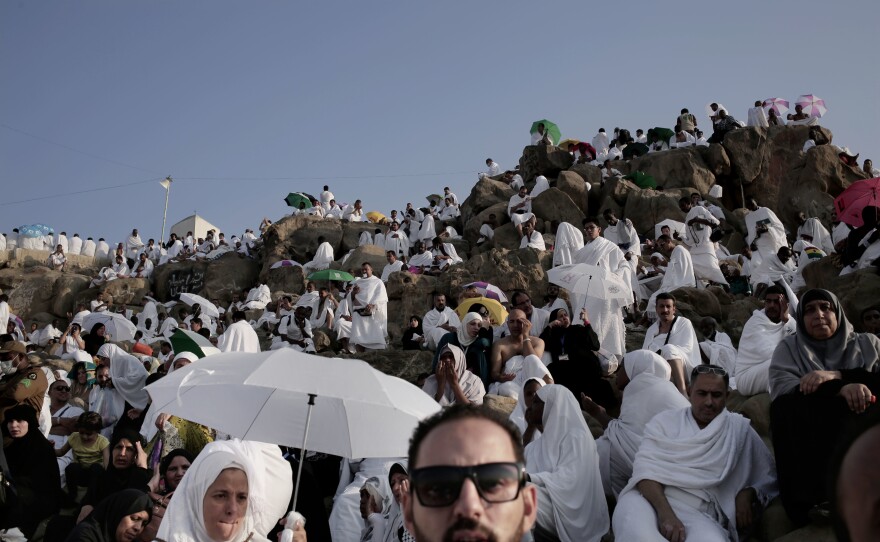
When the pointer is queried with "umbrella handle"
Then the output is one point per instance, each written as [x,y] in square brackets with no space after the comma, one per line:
[302,457]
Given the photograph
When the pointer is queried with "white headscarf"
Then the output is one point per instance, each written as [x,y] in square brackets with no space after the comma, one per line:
[127,373]
[564,463]
[464,338]
[470,384]
[518,416]
[270,486]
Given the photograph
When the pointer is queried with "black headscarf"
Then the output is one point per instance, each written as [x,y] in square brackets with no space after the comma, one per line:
[101,524]
[93,340]
[114,479]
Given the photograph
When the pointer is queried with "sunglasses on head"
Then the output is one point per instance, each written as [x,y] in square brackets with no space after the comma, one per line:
[708,369]
[440,486]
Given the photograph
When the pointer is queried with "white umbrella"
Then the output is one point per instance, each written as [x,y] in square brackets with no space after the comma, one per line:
[359,411]
[208,308]
[118,327]
[589,280]
[674,226]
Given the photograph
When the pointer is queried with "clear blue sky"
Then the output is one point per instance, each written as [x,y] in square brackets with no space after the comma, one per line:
[414,95]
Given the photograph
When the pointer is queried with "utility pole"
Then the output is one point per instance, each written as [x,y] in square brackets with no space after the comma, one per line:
[166,184]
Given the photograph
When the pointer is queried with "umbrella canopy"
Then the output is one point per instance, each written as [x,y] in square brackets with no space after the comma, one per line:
[488,290]
[118,327]
[285,263]
[674,226]
[850,202]
[295,198]
[208,308]
[358,411]
[376,217]
[434,197]
[184,340]
[812,105]
[658,133]
[566,142]
[496,310]
[549,127]
[331,274]
[776,104]
[640,178]
[589,280]
[35,230]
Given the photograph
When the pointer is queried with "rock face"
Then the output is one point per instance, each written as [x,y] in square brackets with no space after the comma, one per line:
[542,160]
[217,279]
[677,168]
[485,194]
[38,290]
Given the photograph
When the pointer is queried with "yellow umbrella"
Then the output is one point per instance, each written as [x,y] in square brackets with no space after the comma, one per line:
[376,217]
[496,310]
[564,144]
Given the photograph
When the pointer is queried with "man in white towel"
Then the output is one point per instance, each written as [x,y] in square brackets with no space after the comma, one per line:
[369,316]
[396,240]
[517,357]
[716,348]
[761,335]
[605,314]
[258,297]
[766,234]
[322,260]
[493,168]
[89,247]
[143,268]
[394,265]
[439,321]
[774,269]
[812,230]
[326,196]
[679,270]
[701,472]
[531,238]
[239,336]
[133,246]
[674,338]
[519,208]
[75,244]
[569,240]
[444,254]
[699,222]
[422,259]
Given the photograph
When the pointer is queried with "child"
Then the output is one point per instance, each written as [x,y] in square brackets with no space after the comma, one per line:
[91,451]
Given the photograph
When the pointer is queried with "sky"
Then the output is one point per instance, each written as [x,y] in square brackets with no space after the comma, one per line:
[243,102]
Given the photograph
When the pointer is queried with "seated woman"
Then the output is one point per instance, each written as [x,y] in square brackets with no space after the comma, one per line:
[82,379]
[451,382]
[33,470]
[643,377]
[249,483]
[564,466]
[575,363]
[121,517]
[821,380]
[414,336]
[171,470]
[474,337]
[95,339]
[127,470]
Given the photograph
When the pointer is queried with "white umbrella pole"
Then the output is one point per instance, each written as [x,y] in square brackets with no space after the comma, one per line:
[302,456]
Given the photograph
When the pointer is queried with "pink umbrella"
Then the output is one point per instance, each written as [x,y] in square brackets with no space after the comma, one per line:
[285,263]
[776,104]
[850,202]
[812,105]
[488,290]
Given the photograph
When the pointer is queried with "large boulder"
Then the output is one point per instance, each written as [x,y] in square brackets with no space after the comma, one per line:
[408,295]
[35,290]
[288,279]
[575,187]
[556,205]
[175,278]
[486,193]
[716,159]
[677,168]
[512,269]
[351,233]
[372,254]
[543,160]
[229,274]
[589,173]
[296,238]
[645,208]
[127,291]
[472,226]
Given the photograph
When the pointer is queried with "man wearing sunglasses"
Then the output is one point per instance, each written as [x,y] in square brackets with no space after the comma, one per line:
[467,479]
[701,472]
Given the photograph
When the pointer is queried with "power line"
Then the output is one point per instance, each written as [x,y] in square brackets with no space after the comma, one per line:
[325,178]
[80,192]
[63,146]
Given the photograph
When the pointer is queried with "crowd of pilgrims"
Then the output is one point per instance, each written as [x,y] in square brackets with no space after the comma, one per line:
[90,460]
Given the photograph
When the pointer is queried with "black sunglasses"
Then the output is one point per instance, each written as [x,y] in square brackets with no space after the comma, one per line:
[62,388]
[440,486]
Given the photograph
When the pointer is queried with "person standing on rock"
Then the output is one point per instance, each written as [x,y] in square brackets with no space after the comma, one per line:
[679,270]
[133,246]
[396,240]
[326,196]
[369,312]
[519,208]
[699,223]
[686,122]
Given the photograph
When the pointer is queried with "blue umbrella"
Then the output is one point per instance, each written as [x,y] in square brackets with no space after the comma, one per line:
[35,230]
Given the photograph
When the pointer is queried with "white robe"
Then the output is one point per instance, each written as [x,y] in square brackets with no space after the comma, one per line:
[697,237]
[370,331]
[820,236]
[88,248]
[759,339]
[422,259]
[770,241]
[398,242]
[391,268]
[722,353]
[323,258]
[426,230]
[102,250]
[535,240]
[525,368]
[258,297]
[4,315]
[523,213]
[450,251]
[757,117]
[563,464]
[541,185]
[431,325]
[605,314]
[133,246]
[771,269]
[75,243]
[702,470]
[239,337]
[569,240]
[682,344]
[679,274]
[601,142]
[648,393]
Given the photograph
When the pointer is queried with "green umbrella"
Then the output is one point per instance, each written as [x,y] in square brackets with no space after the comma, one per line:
[642,179]
[331,274]
[295,198]
[549,127]
[184,340]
